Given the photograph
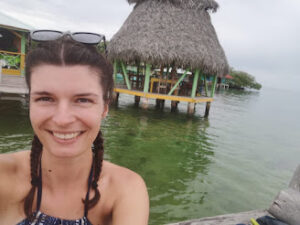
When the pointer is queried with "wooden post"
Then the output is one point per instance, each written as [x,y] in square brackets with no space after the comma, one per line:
[195,82]
[126,76]
[174,105]
[191,108]
[207,108]
[23,50]
[191,105]
[213,87]
[115,97]
[160,103]
[146,86]
[137,85]
[147,78]
[206,86]
[212,93]
[115,70]
[137,100]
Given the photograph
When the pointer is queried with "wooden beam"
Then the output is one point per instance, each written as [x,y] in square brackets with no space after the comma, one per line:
[178,82]
[163,97]
[125,76]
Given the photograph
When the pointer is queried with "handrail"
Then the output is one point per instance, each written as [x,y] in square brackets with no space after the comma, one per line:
[13,53]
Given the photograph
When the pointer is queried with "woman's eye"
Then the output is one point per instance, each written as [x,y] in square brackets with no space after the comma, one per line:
[44,99]
[84,100]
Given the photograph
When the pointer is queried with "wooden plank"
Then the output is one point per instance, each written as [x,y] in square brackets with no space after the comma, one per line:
[13,84]
[163,97]
[229,219]
[11,72]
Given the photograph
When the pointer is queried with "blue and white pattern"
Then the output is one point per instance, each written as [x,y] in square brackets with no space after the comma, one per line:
[43,219]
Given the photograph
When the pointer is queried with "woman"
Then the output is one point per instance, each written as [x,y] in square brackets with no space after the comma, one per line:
[63,179]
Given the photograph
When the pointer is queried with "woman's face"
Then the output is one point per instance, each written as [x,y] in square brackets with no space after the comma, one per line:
[66,108]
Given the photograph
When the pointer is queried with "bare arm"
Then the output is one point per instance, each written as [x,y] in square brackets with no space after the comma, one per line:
[7,170]
[132,208]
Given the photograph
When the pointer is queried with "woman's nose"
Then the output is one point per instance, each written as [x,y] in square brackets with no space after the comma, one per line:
[63,115]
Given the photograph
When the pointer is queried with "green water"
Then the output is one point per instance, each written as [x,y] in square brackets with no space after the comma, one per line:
[237,160]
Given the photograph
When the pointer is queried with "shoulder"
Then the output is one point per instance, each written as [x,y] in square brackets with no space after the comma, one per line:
[12,162]
[13,169]
[121,176]
[131,201]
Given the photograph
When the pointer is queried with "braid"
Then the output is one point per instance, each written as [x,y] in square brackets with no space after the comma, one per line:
[35,156]
[97,162]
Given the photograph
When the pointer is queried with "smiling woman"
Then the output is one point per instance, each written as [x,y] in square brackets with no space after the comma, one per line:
[64,179]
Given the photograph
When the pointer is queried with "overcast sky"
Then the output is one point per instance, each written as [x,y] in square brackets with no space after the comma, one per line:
[261,37]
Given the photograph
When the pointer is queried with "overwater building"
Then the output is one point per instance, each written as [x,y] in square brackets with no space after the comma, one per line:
[168,50]
[13,41]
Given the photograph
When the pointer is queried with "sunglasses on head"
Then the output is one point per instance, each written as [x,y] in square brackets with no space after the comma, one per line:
[82,37]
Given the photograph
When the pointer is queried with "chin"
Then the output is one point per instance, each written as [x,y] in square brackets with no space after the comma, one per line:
[64,152]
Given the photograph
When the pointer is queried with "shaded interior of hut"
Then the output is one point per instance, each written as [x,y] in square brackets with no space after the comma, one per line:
[163,80]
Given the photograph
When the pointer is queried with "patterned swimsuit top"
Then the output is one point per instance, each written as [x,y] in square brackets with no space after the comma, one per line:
[43,219]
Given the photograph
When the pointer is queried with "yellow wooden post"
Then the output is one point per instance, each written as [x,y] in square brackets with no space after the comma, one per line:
[23,50]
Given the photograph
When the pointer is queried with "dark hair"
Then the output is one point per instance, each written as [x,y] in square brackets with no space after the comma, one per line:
[65,51]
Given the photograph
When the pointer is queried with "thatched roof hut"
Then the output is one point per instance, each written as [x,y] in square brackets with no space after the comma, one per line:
[170,32]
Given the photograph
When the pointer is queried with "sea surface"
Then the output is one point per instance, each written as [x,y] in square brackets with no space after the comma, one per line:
[236,160]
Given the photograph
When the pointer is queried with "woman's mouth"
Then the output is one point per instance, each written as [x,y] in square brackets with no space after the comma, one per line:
[66,136]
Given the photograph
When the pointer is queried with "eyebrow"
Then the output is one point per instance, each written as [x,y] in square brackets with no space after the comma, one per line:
[41,93]
[77,95]
[85,94]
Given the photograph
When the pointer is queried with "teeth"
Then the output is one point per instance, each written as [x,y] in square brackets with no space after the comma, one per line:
[66,136]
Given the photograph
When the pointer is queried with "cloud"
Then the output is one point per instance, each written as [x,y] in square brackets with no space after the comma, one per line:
[97,16]
[259,37]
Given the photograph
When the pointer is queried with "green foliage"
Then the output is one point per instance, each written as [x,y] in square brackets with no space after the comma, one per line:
[102,47]
[243,80]
[12,61]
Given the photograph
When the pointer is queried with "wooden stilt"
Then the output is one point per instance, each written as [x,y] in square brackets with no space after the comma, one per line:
[146,86]
[207,109]
[191,108]
[145,103]
[160,103]
[174,105]
[115,97]
[137,100]
[157,103]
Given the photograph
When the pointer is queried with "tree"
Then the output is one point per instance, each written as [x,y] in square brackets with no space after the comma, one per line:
[242,80]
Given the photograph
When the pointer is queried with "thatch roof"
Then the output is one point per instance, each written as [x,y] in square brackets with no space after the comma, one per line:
[170,32]
[191,4]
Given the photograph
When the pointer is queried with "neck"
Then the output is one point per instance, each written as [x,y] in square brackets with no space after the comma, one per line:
[61,173]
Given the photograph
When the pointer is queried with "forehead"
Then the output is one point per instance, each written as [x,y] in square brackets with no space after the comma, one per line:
[65,78]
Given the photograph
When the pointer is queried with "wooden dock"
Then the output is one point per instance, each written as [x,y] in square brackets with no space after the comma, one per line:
[13,84]
[162,96]
[229,219]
